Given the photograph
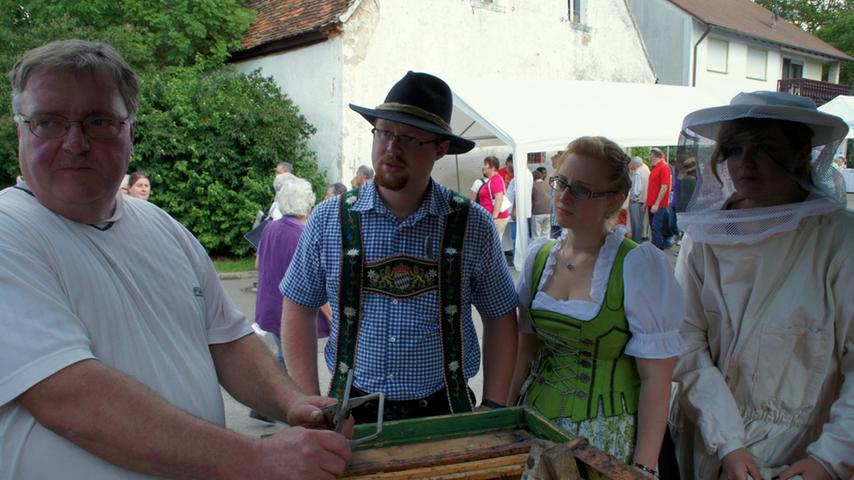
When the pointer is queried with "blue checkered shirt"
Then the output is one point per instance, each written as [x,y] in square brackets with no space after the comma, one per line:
[399,351]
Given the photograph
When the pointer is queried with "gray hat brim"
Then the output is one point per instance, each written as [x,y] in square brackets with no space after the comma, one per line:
[826,128]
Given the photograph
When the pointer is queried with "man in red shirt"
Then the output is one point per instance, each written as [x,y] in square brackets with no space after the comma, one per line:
[506,172]
[657,199]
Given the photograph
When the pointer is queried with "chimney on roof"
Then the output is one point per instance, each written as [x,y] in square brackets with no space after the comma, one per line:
[774,19]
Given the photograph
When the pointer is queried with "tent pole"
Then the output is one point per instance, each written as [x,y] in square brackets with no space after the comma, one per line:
[457,160]
[457,157]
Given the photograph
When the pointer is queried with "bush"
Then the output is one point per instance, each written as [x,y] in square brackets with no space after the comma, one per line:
[150,34]
[210,141]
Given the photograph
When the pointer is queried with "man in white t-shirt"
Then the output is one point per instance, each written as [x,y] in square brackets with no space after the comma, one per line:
[116,331]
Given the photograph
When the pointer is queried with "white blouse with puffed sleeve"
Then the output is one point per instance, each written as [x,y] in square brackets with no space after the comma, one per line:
[653,301]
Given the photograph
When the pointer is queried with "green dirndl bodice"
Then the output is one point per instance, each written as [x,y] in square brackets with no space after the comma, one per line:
[582,379]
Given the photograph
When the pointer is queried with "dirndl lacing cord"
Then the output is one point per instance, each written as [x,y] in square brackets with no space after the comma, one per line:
[557,347]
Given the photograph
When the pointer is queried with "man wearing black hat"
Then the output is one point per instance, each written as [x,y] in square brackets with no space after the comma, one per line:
[401,260]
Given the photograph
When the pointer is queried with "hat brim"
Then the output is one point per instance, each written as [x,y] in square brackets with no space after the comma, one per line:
[457,146]
[826,128]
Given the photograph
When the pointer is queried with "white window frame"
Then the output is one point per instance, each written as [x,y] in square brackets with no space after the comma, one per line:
[576,14]
[575,11]
[793,61]
[764,64]
[709,56]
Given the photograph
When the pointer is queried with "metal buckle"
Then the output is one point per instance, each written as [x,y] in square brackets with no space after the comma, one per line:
[340,412]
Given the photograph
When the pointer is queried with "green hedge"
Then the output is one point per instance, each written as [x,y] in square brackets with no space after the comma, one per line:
[210,141]
[208,137]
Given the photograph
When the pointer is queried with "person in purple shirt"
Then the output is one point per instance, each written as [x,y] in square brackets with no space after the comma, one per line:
[276,248]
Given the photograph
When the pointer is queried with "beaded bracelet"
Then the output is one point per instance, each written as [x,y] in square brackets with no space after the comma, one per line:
[646,469]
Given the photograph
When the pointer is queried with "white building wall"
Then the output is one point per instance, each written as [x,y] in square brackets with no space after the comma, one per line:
[472,38]
[667,32]
[736,79]
[311,78]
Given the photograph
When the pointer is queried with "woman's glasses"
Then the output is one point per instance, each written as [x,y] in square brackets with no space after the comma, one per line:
[580,192]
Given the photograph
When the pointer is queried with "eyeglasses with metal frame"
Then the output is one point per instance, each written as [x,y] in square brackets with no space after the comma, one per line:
[579,192]
[51,126]
[404,141]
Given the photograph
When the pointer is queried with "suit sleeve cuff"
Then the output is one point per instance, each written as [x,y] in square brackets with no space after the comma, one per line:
[728,447]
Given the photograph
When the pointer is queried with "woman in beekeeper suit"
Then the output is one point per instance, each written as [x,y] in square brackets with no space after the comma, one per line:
[767,381]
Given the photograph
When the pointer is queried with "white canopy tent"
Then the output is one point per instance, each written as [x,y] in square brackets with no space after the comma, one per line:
[843,107]
[542,116]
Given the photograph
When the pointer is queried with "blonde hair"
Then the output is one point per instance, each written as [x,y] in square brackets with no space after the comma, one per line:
[606,151]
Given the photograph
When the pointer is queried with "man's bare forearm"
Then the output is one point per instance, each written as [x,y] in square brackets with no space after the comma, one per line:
[120,420]
[299,341]
[528,349]
[499,356]
[268,390]
[661,194]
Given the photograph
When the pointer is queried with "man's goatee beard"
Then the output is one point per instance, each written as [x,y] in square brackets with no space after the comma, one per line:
[391,183]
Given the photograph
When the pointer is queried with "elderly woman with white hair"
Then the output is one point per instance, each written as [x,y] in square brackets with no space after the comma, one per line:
[275,213]
[294,199]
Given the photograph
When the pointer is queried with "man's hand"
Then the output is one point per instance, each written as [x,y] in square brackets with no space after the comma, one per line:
[305,412]
[808,468]
[297,453]
[653,209]
[739,463]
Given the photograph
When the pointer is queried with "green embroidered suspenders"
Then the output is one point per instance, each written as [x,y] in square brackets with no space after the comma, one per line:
[403,277]
[349,298]
[450,298]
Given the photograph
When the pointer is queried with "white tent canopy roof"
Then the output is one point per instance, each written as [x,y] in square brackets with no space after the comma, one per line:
[843,107]
[541,116]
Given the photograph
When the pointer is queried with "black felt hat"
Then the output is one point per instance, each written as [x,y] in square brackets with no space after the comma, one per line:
[422,101]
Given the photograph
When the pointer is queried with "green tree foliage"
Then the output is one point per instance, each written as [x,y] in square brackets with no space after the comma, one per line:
[150,34]
[830,20]
[209,142]
[208,137]
[810,15]
[839,32]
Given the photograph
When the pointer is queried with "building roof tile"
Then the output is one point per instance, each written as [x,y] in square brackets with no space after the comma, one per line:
[282,19]
[751,19]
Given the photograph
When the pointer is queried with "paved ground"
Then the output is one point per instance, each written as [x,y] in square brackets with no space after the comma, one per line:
[237,417]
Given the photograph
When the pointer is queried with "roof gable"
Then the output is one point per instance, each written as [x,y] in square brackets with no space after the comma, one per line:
[754,20]
[279,20]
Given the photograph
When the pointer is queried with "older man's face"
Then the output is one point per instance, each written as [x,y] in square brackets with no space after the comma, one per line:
[73,172]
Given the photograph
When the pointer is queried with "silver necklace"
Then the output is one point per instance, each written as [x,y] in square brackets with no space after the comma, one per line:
[571,266]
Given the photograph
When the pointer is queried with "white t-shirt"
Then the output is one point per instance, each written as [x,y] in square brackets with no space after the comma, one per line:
[654,305]
[139,295]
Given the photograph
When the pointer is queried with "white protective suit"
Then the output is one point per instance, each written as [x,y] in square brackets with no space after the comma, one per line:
[770,358]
